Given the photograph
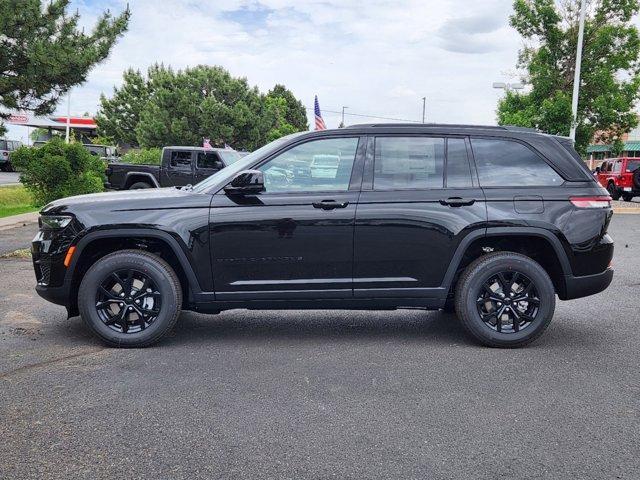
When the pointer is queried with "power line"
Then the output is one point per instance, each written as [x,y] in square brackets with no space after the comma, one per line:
[367,116]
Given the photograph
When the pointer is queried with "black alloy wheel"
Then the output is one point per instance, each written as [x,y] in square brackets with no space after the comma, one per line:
[130,298]
[508,302]
[128,301]
[613,191]
[505,299]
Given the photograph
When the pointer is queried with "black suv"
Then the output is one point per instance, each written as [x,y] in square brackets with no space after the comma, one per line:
[492,221]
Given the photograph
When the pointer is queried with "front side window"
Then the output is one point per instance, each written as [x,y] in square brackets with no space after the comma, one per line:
[181,160]
[209,160]
[617,166]
[408,163]
[507,163]
[316,166]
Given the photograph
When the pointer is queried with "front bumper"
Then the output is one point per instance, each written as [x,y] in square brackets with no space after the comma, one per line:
[578,287]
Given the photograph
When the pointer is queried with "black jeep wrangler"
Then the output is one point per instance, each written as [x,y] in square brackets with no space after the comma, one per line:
[492,221]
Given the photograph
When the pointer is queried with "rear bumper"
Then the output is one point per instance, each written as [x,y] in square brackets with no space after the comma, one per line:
[578,287]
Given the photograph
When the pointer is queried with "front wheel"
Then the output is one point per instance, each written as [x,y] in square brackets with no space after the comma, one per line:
[130,298]
[505,299]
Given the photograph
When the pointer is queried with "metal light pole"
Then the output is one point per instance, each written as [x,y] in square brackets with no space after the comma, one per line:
[424,107]
[66,137]
[576,76]
[342,122]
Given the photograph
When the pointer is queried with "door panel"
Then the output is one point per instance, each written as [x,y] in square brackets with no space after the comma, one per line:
[179,169]
[404,241]
[290,241]
[281,246]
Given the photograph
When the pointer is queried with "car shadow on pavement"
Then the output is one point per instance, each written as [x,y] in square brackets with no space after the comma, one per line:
[264,326]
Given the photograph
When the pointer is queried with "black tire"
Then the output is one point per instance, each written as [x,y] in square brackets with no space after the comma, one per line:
[449,306]
[613,191]
[471,287]
[139,185]
[7,167]
[627,197]
[159,273]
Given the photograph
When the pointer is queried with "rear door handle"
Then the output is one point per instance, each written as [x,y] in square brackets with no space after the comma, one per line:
[457,201]
[329,204]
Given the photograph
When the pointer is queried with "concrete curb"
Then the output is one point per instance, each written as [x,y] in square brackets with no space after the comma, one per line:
[18,220]
[626,210]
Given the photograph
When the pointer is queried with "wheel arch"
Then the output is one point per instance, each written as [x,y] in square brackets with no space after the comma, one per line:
[96,245]
[133,177]
[537,243]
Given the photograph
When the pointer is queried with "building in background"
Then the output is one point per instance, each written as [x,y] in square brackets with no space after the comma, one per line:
[598,151]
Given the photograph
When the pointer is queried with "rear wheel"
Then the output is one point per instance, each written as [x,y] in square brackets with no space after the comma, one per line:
[627,197]
[613,191]
[505,299]
[130,298]
[139,185]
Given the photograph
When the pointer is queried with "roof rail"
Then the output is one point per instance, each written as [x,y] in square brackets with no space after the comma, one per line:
[511,128]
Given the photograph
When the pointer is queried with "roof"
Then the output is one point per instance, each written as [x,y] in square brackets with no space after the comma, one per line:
[198,149]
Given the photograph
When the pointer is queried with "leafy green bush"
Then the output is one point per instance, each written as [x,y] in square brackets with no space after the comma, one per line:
[144,156]
[57,170]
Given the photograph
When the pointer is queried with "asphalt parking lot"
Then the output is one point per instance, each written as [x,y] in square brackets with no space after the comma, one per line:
[317,395]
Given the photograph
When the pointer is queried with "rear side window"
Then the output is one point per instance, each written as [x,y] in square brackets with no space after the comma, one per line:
[181,160]
[408,163]
[508,163]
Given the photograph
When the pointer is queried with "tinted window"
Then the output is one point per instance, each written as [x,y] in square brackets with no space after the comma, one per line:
[458,170]
[209,160]
[320,165]
[507,163]
[3,145]
[632,165]
[408,163]
[181,160]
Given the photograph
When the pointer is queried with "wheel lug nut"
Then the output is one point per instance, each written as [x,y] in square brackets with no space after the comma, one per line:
[121,304]
[130,308]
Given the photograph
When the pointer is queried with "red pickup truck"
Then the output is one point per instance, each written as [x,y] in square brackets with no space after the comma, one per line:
[621,177]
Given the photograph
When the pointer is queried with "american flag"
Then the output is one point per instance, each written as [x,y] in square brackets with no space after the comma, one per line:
[206,143]
[319,121]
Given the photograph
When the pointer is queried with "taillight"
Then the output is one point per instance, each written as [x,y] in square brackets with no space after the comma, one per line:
[602,201]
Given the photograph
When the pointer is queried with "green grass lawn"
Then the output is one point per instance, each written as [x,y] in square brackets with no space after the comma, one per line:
[15,200]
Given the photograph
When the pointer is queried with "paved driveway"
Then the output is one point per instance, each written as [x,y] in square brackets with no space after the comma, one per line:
[317,395]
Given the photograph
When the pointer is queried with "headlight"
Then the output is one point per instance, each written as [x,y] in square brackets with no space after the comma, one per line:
[54,222]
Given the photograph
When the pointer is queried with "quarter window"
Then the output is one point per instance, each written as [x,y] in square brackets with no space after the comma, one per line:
[181,160]
[508,163]
[408,163]
[316,166]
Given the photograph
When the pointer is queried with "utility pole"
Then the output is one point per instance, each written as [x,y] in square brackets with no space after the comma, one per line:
[342,122]
[424,107]
[576,76]
[66,137]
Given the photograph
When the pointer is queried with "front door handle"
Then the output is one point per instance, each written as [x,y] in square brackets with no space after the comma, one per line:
[329,204]
[457,201]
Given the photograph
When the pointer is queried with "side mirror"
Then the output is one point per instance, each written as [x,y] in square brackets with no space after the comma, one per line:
[247,181]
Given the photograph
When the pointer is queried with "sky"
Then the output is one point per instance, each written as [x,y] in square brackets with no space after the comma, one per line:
[374,57]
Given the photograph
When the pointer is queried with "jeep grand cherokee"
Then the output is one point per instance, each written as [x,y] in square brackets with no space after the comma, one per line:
[492,221]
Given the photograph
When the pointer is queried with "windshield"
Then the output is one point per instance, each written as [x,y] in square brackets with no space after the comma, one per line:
[229,156]
[632,165]
[241,164]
